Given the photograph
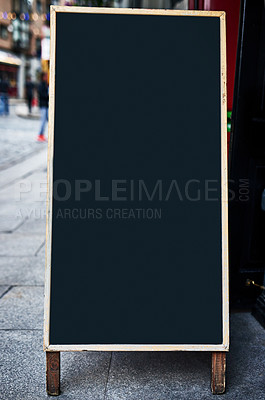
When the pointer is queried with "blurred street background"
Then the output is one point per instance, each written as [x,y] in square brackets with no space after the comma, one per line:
[24,57]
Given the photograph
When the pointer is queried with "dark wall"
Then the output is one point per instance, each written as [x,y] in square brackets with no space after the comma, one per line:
[247,156]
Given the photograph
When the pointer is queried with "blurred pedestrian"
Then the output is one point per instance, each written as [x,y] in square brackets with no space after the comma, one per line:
[43,92]
[4,87]
[29,92]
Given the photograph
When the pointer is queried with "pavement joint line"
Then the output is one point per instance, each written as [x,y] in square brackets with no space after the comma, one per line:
[6,291]
[20,159]
[12,286]
[18,329]
[21,223]
[18,255]
[15,286]
[38,250]
[107,380]
[33,163]
[16,227]
[15,256]
[30,234]
[19,178]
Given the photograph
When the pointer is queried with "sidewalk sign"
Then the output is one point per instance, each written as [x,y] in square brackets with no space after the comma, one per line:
[137,228]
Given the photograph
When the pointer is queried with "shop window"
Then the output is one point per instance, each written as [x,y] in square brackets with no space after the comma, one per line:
[38,6]
[16,6]
[3,32]
[25,6]
[38,47]
[22,6]
[21,34]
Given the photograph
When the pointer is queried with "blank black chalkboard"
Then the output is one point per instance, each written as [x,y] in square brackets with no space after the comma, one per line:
[136,245]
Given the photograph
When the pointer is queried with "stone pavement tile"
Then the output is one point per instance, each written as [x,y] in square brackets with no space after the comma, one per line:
[246,371]
[22,270]
[9,223]
[139,375]
[159,376]
[22,376]
[33,226]
[84,375]
[3,290]
[18,138]
[32,189]
[245,328]
[22,308]
[17,213]
[41,252]
[24,198]
[184,375]
[22,370]
[27,187]
[20,244]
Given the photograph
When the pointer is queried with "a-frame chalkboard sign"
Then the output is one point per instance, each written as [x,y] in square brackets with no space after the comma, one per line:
[137,222]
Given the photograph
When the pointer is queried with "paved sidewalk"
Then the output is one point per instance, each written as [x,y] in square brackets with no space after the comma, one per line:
[88,375]
[17,137]
[23,112]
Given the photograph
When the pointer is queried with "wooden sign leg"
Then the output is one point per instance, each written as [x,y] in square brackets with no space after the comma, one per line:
[53,373]
[218,372]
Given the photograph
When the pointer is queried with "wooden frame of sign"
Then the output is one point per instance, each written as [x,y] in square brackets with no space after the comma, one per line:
[218,350]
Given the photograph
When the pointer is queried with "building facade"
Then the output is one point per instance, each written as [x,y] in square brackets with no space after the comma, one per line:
[23,26]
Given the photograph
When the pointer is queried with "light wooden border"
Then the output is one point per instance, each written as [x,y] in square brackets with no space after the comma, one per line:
[224,190]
